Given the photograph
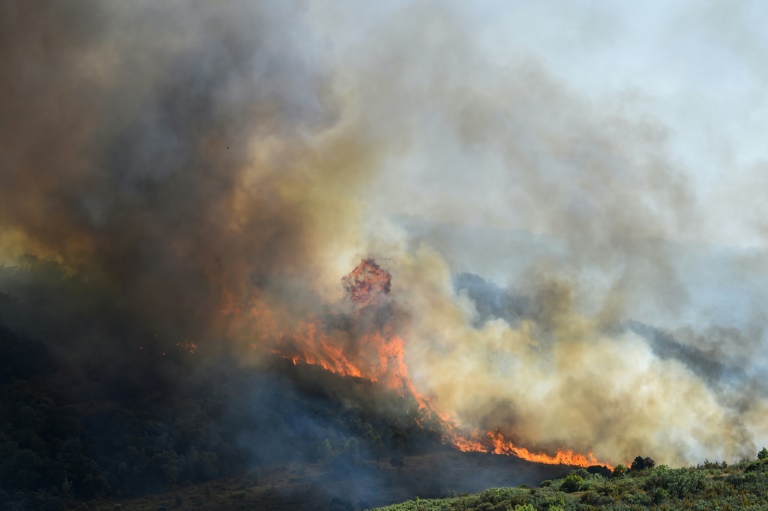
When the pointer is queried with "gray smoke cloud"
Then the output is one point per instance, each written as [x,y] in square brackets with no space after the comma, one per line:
[201,163]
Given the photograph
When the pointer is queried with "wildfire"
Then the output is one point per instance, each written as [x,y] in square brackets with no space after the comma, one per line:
[500,445]
[318,349]
[379,356]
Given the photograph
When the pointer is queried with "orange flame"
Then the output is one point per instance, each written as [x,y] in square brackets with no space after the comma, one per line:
[500,445]
[379,356]
[318,349]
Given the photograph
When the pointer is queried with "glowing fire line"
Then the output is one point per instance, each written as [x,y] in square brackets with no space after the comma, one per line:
[367,286]
[494,441]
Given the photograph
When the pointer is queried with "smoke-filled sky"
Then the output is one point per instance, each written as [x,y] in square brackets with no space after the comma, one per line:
[567,194]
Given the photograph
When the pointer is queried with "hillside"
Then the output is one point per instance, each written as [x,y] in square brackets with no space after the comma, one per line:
[743,485]
[320,486]
[283,436]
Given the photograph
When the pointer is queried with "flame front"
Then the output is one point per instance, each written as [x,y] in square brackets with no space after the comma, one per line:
[379,356]
[500,445]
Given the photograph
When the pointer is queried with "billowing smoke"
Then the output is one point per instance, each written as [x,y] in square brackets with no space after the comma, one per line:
[180,156]
[200,164]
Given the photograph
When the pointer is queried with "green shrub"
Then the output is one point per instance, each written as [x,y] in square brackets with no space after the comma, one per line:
[619,470]
[639,499]
[581,473]
[553,503]
[756,466]
[572,483]
[595,499]
[659,495]
[679,482]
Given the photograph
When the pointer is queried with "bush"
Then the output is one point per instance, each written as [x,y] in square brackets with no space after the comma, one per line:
[638,499]
[756,466]
[740,480]
[681,482]
[619,470]
[572,483]
[659,495]
[595,499]
[581,473]
[554,502]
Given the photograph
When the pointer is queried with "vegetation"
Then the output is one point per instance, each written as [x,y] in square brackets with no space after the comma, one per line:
[76,433]
[645,486]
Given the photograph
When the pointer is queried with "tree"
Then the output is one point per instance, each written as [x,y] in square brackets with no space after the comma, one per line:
[641,463]
[762,454]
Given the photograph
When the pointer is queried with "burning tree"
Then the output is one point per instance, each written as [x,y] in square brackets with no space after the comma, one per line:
[368,283]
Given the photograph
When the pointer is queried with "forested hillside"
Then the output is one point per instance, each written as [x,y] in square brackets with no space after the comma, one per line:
[279,436]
